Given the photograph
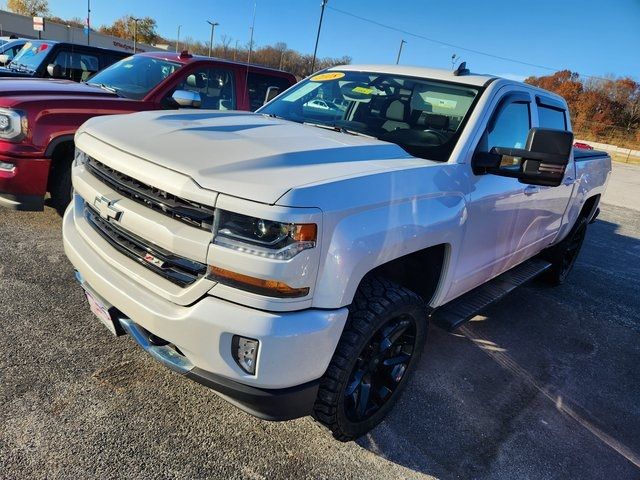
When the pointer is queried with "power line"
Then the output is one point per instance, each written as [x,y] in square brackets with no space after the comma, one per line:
[457,47]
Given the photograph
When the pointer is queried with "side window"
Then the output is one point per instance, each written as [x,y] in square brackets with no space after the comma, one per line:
[509,128]
[215,85]
[552,118]
[258,83]
[76,66]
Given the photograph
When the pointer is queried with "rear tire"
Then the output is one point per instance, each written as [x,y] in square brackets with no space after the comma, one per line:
[563,255]
[379,348]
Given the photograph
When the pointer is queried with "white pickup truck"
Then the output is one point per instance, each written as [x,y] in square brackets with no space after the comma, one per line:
[292,259]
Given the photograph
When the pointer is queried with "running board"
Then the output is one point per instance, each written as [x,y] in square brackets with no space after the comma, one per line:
[453,314]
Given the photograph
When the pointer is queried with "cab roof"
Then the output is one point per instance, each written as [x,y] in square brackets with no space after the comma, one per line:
[180,58]
[477,80]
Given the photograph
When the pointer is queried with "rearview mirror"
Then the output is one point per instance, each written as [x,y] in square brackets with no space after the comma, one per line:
[542,162]
[272,92]
[54,71]
[4,59]
[187,98]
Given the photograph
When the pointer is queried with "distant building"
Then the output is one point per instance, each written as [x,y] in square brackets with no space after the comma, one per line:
[14,24]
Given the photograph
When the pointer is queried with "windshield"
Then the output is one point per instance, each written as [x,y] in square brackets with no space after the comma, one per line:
[424,117]
[31,56]
[135,76]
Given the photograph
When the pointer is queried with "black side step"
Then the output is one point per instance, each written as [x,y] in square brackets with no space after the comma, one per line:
[453,314]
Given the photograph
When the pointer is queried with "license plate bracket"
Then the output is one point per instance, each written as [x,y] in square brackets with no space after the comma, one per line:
[101,310]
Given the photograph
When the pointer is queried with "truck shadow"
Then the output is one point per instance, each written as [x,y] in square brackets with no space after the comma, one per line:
[544,385]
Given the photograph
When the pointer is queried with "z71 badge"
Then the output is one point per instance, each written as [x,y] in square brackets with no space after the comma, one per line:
[153,260]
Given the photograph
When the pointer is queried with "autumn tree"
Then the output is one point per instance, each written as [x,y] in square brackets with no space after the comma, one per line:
[125,27]
[30,8]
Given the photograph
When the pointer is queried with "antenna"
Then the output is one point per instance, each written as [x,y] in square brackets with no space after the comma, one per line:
[461,70]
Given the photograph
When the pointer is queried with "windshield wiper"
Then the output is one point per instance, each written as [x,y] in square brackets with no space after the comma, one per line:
[106,87]
[337,128]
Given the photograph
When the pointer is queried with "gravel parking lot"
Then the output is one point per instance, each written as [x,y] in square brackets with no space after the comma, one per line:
[545,385]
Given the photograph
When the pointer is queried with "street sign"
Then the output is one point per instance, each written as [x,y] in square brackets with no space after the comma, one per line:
[38,24]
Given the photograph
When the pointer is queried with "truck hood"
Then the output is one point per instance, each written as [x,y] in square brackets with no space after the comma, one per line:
[49,88]
[247,155]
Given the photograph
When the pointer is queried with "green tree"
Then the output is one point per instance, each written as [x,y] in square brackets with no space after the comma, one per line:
[30,8]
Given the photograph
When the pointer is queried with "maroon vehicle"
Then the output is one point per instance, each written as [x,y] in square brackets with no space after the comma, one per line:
[38,118]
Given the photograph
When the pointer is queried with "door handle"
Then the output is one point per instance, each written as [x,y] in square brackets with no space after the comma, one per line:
[531,189]
[568,181]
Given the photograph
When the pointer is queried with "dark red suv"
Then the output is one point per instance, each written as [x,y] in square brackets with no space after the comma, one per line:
[38,118]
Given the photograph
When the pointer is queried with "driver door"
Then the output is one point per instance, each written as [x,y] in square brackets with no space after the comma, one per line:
[501,225]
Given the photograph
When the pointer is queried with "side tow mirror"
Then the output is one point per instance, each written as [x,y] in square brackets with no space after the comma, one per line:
[542,162]
[187,98]
[4,59]
[272,92]
[54,71]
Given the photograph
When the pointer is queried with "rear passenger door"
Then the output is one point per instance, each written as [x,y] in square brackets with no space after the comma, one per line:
[553,201]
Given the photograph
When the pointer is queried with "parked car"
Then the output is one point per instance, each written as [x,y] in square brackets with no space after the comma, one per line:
[583,146]
[51,59]
[10,49]
[293,264]
[41,116]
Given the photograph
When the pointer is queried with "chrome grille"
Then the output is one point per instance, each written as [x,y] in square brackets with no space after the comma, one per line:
[178,270]
[188,212]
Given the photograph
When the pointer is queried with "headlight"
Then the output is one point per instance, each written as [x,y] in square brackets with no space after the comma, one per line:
[13,124]
[264,238]
[80,158]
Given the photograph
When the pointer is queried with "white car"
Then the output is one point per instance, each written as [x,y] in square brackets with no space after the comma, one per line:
[293,265]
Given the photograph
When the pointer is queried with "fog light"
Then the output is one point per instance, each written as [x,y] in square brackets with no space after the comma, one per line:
[245,352]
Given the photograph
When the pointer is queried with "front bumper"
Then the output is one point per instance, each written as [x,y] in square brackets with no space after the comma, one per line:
[23,186]
[295,347]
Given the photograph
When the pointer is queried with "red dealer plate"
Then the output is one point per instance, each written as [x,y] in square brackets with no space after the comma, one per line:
[101,311]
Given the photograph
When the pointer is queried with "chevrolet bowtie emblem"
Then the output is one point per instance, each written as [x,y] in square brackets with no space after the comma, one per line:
[106,208]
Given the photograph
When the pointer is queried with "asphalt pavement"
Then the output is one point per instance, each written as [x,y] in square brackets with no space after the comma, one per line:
[545,385]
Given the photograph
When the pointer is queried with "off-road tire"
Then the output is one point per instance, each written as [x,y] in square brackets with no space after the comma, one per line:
[377,303]
[563,255]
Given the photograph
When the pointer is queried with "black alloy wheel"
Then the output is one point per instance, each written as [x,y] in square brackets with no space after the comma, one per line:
[380,368]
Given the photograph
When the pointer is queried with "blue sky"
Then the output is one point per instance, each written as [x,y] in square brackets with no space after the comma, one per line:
[588,36]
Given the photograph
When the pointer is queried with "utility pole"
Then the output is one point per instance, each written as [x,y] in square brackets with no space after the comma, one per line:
[235,52]
[253,24]
[135,33]
[213,25]
[281,59]
[315,50]
[88,22]
[402,42]
[178,41]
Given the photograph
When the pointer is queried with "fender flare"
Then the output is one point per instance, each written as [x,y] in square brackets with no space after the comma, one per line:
[55,142]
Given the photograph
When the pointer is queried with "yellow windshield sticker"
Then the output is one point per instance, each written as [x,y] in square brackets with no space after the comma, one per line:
[323,77]
[364,90]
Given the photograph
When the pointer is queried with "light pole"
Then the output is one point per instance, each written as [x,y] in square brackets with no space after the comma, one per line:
[253,24]
[213,25]
[178,41]
[135,33]
[402,42]
[315,50]
[88,22]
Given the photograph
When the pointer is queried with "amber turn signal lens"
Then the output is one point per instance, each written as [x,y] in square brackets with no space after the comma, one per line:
[305,232]
[269,288]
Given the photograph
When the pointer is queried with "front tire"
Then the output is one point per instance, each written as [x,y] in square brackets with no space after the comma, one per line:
[379,348]
[60,186]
